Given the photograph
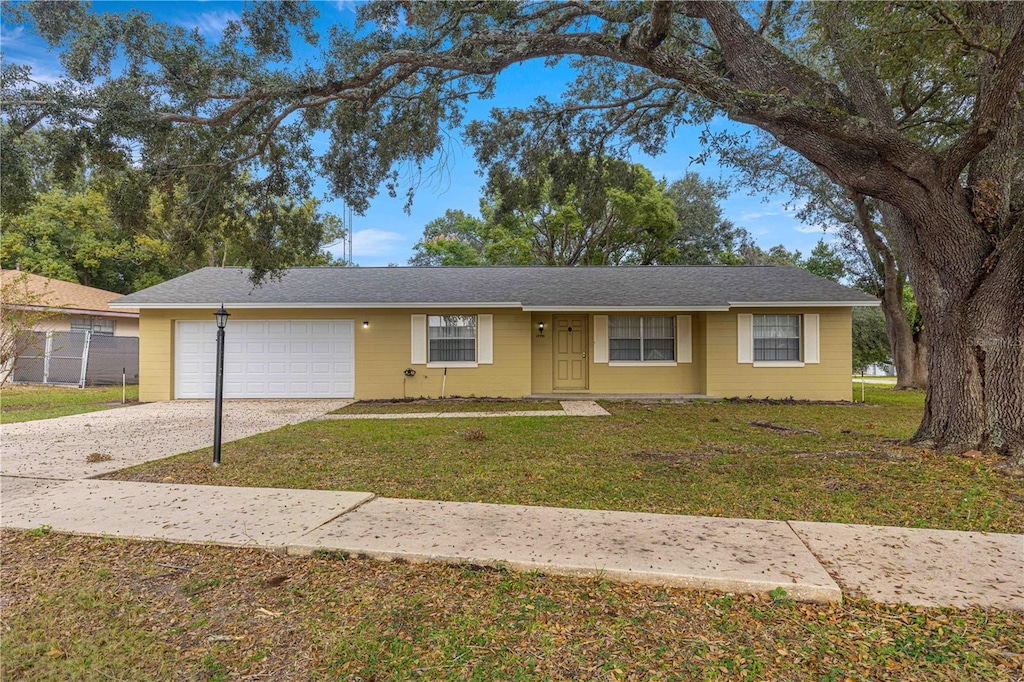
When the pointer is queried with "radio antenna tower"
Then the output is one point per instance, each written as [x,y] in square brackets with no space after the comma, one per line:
[348,236]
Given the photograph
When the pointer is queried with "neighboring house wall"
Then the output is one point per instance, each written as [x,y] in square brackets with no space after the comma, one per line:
[826,380]
[123,326]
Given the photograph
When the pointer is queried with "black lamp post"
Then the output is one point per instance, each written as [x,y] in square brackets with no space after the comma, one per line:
[222,319]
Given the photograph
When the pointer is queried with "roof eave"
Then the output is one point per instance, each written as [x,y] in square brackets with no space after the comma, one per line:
[804,304]
[324,306]
[623,308]
[77,311]
[503,304]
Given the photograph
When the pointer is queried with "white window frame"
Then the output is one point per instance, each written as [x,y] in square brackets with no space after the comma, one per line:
[476,341]
[484,342]
[810,341]
[641,362]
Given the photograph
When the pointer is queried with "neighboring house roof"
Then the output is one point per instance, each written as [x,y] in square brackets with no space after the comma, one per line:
[529,288]
[55,294]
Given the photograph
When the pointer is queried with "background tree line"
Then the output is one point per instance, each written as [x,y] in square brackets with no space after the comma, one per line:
[65,215]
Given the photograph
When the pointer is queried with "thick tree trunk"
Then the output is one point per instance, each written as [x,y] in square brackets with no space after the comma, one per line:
[975,323]
[908,350]
[909,356]
[920,369]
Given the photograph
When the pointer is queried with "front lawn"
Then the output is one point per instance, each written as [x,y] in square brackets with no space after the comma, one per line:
[92,609]
[22,402]
[839,463]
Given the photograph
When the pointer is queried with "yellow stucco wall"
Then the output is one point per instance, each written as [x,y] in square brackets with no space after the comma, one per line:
[826,380]
[523,358]
[627,379]
[156,356]
[383,352]
[616,379]
[542,370]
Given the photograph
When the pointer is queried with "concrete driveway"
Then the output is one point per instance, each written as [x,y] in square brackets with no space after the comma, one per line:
[58,448]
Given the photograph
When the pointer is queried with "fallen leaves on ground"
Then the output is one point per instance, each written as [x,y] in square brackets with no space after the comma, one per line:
[83,608]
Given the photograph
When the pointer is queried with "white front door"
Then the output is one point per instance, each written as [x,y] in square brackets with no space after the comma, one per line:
[267,359]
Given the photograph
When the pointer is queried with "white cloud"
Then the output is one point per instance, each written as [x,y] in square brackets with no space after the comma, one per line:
[794,206]
[211,23]
[375,243]
[9,34]
[754,215]
[345,5]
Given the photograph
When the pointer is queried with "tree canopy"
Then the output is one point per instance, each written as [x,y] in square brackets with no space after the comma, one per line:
[620,217]
[916,105]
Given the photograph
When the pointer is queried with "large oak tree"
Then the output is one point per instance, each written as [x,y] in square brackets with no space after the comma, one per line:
[834,82]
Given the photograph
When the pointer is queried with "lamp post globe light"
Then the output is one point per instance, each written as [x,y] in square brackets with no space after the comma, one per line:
[218,401]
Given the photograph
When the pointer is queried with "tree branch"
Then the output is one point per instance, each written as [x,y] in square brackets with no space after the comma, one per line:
[991,108]
[939,14]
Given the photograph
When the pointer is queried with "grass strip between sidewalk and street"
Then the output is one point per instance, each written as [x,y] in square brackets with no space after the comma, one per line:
[88,609]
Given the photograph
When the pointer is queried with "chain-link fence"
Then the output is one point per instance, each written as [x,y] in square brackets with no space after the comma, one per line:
[78,359]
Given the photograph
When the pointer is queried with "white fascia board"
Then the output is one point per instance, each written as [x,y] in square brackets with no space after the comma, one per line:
[806,304]
[76,311]
[320,306]
[622,309]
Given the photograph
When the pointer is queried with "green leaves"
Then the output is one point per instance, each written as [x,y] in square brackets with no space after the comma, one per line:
[568,209]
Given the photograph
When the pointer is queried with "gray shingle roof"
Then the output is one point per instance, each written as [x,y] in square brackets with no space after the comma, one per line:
[668,287]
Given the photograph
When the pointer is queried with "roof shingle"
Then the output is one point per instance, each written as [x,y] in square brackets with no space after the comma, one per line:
[667,287]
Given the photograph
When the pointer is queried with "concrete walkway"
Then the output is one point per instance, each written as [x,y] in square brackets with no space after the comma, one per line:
[816,562]
[570,408]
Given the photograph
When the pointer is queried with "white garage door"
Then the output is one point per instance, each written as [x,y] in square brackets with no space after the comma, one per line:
[267,359]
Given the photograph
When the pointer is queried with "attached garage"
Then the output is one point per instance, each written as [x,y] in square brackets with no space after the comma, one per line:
[267,359]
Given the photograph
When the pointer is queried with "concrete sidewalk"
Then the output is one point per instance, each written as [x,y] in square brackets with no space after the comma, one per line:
[811,561]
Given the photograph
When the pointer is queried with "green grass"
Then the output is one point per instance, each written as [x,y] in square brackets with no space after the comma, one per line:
[91,609]
[700,458]
[449,405]
[22,403]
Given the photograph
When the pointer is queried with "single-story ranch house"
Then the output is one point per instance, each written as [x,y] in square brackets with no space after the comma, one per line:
[371,333]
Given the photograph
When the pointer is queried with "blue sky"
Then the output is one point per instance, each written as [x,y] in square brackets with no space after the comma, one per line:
[386,234]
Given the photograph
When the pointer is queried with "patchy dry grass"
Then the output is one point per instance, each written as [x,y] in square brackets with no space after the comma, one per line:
[88,609]
[448,405]
[840,463]
[22,403]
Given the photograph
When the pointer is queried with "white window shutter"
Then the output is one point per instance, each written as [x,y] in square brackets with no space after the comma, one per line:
[812,340]
[485,339]
[684,338]
[745,338]
[601,338]
[419,339]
